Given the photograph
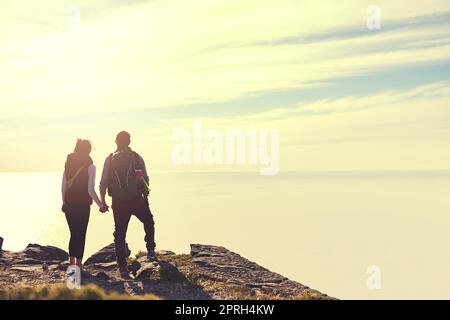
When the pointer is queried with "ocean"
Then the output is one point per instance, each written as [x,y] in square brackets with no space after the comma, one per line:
[323,229]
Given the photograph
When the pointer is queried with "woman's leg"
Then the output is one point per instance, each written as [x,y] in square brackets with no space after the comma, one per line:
[78,220]
[83,225]
[71,221]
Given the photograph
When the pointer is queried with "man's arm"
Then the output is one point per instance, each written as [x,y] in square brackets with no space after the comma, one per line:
[103,197]
[144,169]
[104,182]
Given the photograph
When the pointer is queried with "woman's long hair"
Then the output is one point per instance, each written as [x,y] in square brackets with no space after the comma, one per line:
[83,148]
[79,158]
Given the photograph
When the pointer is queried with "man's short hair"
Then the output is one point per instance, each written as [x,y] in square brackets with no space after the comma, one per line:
[123,139]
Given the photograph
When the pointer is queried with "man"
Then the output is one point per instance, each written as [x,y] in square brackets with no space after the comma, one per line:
[125,177]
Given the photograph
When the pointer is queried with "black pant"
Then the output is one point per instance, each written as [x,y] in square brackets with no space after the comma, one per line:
[123,210]
[78,218]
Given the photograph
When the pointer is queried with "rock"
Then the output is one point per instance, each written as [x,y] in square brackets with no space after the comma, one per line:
[201,262]
[221,265]
[105,255]
[165,253]
[1,245]
[168,271]
[147,271]
[63,266]
[44,253]
[54,268]
[133,288]
[238,276]
[27,261]
[234,281]
[134,267]
[104,266]
[26,268]
[200,250]
[101,275]
[85,274]
[161,269]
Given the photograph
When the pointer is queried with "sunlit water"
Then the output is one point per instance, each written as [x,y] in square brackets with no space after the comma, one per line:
[321,229]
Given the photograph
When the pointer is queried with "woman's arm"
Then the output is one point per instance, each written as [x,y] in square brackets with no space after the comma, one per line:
[91,186]
[64,187]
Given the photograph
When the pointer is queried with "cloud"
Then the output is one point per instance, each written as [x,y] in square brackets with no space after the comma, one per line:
[439,90]
[392,130]
[128,57]
[161,54]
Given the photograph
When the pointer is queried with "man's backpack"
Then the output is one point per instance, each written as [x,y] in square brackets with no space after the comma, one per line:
[123,166]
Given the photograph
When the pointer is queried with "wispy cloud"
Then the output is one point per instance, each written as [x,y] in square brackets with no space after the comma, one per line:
[403,129]
[129,57]
[153,54]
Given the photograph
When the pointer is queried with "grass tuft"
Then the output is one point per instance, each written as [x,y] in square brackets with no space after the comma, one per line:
[61,292]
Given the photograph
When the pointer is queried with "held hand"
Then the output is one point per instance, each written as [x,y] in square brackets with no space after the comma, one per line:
[104,208]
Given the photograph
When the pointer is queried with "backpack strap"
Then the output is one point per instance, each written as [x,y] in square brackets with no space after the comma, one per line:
[137,159]
[116,176]
[70,182]
[112,171]
[109,159]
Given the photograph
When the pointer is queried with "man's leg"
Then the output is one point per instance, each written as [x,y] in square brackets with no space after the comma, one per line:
[143,213]
[122,215]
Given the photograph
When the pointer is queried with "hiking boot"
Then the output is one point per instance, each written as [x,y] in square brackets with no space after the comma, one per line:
[124,273]
[151,256]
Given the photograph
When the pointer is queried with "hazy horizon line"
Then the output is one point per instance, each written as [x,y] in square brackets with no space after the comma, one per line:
[257,172]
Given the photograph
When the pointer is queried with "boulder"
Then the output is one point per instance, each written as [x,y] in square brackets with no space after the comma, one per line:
[134,267]
[147,271]
[1,244]
[105,255]
[42,254]
[158,270]
[101,276]
[168,271]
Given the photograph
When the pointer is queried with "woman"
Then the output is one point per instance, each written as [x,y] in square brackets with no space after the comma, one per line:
[78,191]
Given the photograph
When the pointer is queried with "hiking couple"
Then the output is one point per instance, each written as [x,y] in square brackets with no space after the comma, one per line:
[126,180]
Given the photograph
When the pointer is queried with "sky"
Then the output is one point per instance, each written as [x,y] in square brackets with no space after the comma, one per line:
[343,96]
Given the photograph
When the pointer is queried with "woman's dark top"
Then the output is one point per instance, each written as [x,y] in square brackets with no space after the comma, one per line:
[77,193]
